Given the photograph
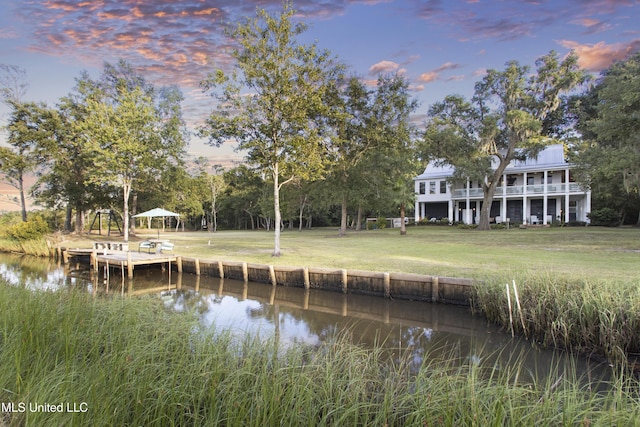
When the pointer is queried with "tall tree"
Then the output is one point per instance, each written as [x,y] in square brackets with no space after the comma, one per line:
[13,83]
[503,122]
[354,140]
[397,154]
[139,133]
[69,159]
[29,127]
[215,185]
[608,118]
[273,103]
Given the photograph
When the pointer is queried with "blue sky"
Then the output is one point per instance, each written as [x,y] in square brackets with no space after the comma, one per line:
[441,47]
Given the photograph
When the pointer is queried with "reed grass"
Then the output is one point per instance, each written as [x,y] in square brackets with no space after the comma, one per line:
[134,363]
[593,317]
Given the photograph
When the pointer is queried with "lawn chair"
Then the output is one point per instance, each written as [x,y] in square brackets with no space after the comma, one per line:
[166,247]
[147,246]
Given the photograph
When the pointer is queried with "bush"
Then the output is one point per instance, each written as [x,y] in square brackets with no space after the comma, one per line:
[606,217]
[33,229]
[381,222]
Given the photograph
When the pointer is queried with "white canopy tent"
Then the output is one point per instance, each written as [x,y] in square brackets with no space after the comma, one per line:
[158,213]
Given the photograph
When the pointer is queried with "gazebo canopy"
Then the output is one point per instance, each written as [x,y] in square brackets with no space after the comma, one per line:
[157,212]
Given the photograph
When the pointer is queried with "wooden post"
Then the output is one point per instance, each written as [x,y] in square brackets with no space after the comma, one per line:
[59,250]
[65,256]
[435,289]
[387,285]
[197,266]
[272,275]
[245,272]
[305,304]
[94,259]
[129,266]
[178,264]
[221,269]
[305,275]
[344,280]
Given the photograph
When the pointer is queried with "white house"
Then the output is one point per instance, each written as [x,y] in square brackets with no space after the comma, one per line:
[535,191]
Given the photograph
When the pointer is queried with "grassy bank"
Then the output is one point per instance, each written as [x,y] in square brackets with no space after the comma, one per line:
[576,252]
[579,287]
[129,362]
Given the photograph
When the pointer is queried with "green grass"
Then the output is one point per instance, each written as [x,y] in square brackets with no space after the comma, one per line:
[133,363]
[574,252]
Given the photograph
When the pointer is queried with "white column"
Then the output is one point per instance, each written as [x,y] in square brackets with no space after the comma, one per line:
[587,205]
[545,200]
[467,216]
[566,195]
[417,211]
[450,211]
[524,198]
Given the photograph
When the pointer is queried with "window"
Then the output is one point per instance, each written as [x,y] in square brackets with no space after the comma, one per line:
[432,187]
[422,188]
[443,187]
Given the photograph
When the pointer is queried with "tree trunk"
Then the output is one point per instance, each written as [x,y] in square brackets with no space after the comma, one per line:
[403,227]
[489,191]
[302,205]
[276,208]
[134,210]
[126,190]
[79,221]
[343,217]
[67,218]
[359,220]
[23,203]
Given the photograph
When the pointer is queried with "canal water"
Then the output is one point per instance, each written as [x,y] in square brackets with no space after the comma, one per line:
[295,315]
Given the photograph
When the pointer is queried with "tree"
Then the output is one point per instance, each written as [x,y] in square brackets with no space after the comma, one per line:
[69,160]
[215,184]
[139,133]
[397,154]
[504,121]
[13,83]
[278,121]
[27,130]
[608,119]
[352,143]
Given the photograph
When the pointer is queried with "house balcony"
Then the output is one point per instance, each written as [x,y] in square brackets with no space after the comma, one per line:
[519,190]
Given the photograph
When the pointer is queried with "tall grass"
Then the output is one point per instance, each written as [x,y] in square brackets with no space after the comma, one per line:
[587,316]
[134,363]
[37,247]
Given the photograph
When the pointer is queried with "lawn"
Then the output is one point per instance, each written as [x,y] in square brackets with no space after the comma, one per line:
[572,252]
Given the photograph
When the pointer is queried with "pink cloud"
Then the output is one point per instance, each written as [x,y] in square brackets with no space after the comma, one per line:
[383,67]
[427,77]
[599,56]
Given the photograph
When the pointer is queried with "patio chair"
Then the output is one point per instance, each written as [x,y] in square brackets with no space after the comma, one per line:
[147,246]
[166,247]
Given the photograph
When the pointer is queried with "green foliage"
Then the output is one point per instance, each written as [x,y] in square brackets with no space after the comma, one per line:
[503,122]
[33,229]
[134,363]
[607,117]
[283,126]
[381,223]
[604,216]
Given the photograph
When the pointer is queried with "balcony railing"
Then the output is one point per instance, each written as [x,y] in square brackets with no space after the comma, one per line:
[516,190]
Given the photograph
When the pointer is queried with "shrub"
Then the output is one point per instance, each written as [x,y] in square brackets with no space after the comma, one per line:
[604,216]
[34,228]
[381,222]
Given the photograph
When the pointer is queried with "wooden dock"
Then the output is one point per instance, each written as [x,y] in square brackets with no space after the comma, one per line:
[120,259]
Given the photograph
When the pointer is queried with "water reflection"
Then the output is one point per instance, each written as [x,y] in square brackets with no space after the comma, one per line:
[295,315]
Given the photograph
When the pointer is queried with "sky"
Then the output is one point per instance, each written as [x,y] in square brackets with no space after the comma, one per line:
[441,46]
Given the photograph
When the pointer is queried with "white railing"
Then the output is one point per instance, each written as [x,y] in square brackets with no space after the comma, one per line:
[512,190]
